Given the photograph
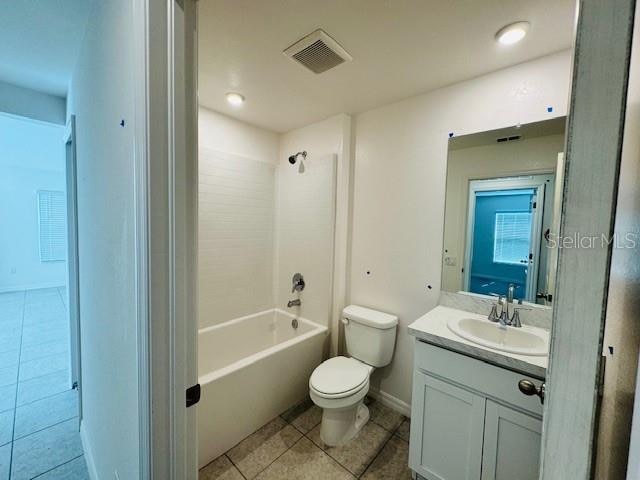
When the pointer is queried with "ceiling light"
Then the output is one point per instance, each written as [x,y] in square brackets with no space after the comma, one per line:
[512,33]
[235,99]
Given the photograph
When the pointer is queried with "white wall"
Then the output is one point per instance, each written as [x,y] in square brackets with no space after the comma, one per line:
[399,188]
[224,134]
[101,96]
[618,441]
[306,217]
[32,104]
[260,221]
[235,218]
[31,159]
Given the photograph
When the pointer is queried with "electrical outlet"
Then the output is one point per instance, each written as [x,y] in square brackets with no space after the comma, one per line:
[450,261]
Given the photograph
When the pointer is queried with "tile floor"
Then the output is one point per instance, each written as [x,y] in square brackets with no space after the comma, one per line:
[38,412]
[289,448]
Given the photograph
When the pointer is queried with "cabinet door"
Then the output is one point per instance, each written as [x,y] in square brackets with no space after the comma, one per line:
[446,430]
[511,444]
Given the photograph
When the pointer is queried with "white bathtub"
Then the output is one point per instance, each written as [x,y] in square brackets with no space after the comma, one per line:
[251,369]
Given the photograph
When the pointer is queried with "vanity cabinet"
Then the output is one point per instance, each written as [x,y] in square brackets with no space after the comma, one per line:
[469,421]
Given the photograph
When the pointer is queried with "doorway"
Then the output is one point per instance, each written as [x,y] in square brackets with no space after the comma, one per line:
[39,408]
[505,230]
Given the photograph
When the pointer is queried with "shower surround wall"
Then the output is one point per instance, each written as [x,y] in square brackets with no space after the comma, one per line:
[261,221]
[235,237]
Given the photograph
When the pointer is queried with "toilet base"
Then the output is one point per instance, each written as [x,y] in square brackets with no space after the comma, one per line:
[339,426]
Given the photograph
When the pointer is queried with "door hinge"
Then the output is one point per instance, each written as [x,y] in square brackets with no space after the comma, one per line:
[193,395]
[603,367]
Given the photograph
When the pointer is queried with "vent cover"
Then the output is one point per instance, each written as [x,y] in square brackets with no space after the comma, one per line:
[318,52]
[512,138]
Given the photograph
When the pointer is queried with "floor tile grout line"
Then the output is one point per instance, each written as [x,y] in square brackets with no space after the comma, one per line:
[286,450]
[15,400]
[275,459]
[64,305]
[51,469]
[67,389]
[45,428]
[42,358]
[234,465]
[392,434]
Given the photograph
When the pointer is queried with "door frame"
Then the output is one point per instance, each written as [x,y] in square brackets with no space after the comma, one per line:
[508,183]
[595,128]
[73,271]
[166,204]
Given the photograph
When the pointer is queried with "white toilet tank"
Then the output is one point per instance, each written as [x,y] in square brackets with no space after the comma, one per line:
[370,335]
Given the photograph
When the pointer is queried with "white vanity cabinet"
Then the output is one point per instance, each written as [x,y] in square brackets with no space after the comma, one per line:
[469,421]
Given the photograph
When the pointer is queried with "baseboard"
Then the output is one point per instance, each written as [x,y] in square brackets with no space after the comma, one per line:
[88,453]
[390,401]
[39,286]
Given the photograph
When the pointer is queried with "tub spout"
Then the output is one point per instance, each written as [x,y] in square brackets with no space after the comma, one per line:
[294,303]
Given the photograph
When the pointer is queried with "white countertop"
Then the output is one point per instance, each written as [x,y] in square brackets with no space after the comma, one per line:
[432,328]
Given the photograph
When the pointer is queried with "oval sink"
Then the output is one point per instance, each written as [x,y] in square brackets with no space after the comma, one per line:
[523,341]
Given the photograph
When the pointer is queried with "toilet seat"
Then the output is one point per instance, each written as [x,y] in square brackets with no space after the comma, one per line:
[339,377]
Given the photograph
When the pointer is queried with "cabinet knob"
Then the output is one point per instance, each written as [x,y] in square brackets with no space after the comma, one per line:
[529,388]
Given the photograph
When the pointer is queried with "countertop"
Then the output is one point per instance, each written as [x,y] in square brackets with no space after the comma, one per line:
[432,328]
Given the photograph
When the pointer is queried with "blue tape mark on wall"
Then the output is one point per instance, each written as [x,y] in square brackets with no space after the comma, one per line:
[549,109]
[122,123]
[450,134]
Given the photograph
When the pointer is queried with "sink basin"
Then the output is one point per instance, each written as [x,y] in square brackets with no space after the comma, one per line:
[523,341]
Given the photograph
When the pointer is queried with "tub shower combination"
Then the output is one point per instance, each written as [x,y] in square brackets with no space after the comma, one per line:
[259,223]
[242,362]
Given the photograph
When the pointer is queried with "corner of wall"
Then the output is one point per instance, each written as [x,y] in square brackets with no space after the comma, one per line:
[88,452]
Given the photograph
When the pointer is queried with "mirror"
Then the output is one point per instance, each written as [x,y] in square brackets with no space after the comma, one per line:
[503,204]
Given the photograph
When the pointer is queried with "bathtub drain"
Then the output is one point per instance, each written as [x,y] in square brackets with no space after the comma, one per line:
[294,323]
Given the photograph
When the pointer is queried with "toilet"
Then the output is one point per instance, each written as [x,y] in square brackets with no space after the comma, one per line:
[339,384]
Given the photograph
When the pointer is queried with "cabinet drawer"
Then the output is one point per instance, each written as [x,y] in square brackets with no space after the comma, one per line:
[493,382]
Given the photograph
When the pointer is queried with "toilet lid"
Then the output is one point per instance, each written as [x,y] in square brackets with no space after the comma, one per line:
[338,375]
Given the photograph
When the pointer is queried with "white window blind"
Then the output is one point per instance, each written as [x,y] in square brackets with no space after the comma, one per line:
[52,209]
[512,237]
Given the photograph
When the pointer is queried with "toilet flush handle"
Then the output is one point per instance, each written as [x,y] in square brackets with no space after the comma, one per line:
[345,321]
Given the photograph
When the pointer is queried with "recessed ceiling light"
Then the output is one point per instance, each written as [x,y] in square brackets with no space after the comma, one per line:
[512,33]
[235,99]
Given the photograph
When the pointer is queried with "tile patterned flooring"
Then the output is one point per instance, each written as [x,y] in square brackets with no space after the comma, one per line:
[39,436]
[289,448]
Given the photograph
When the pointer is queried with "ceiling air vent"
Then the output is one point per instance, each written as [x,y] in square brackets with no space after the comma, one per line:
[508,139]
[318,52]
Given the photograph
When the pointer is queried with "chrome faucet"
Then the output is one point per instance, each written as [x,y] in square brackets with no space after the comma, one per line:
[504,317]
[294,303]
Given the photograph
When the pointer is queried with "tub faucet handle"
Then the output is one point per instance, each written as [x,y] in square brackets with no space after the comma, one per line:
[297,283]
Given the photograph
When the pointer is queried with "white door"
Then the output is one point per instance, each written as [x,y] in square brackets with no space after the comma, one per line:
[511,444]
[446,430]
[552,257]
[73,290]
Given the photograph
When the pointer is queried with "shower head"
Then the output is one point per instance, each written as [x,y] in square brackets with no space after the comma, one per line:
[294,158]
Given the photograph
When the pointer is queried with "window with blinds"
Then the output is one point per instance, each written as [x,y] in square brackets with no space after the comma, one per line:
[512,237]
[52,210]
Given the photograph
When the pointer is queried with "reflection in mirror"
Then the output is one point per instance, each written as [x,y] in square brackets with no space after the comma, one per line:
[503,199]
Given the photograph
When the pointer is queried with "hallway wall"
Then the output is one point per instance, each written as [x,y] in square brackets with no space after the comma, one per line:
[31,159]
[102,98]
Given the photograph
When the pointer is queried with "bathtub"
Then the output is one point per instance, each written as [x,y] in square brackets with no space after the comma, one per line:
[252,369]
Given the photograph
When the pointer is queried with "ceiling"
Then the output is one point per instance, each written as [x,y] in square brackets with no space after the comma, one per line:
[40,41]
[400,48]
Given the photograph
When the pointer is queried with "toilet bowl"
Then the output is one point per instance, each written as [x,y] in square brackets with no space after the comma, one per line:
[340,384]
